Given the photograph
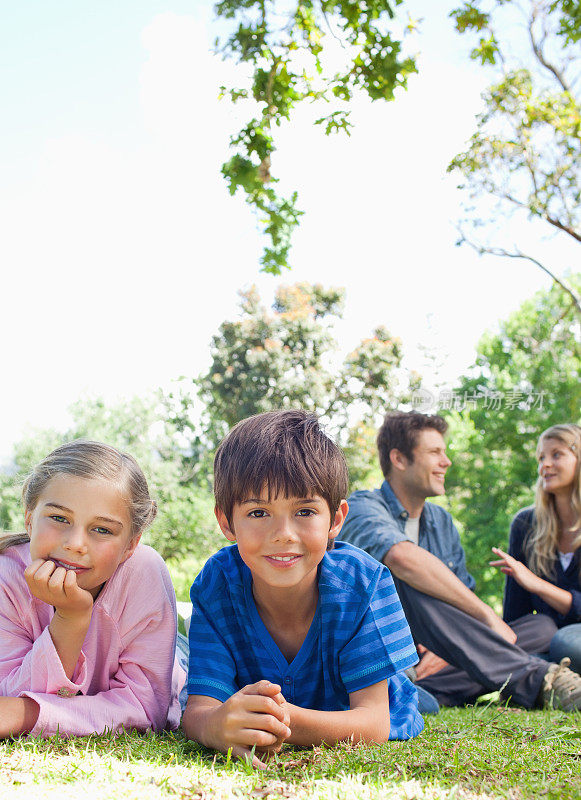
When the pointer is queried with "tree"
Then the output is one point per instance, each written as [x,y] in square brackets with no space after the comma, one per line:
[526,150]
[526,378]
[287,48]
[142,427]
[287,357]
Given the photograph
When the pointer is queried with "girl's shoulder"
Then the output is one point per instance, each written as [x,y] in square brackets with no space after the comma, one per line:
[13,562]
[145,558]
[15,559]
[143,577]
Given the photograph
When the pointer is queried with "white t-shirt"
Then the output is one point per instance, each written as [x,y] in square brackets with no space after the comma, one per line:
[565,559]
[412,529]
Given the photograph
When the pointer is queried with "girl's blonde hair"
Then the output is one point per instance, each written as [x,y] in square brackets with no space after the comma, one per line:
[86,459]
[542,544]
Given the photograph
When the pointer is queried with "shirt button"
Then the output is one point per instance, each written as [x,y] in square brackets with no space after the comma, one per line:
[450,564]
[287,681]
[64,692]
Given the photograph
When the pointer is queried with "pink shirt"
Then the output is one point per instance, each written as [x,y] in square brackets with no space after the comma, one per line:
[126,675]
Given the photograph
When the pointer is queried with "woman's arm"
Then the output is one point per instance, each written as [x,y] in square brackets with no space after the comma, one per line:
[517,602]
[367,719]
[554,596]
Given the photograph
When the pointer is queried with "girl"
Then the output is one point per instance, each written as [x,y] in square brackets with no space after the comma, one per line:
[543,563]
[87,617]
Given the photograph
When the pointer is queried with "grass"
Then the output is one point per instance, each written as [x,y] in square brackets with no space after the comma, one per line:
[481,752]
[488,751]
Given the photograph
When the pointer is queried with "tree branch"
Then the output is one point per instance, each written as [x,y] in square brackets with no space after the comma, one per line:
[565,228]
[538,51]
[500,251]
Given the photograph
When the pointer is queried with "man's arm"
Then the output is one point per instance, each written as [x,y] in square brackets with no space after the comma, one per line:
[367,719]
[426,573]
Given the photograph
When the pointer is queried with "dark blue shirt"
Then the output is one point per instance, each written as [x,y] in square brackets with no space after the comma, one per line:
[359,636]
[376,521]
[517,601]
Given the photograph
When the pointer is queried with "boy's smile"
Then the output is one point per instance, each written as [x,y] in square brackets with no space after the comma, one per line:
[282,540]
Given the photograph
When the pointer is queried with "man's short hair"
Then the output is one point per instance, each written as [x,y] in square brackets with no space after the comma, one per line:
[400,432]
[283,453]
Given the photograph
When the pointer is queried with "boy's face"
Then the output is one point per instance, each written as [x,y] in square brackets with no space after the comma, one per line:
[282,541]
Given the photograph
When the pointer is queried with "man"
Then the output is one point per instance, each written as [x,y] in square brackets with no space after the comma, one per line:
[466,648]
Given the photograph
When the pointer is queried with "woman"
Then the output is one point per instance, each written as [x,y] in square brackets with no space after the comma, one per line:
[543,563]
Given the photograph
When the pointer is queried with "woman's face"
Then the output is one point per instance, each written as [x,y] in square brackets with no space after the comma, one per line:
[557,466]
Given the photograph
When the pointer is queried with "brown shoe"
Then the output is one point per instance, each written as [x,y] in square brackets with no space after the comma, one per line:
[561,687]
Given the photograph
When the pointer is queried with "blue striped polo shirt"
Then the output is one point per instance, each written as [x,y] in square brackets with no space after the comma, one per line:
[359,636]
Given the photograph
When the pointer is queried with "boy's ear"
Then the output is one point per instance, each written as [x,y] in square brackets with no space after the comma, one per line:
[339,519]
[224,524]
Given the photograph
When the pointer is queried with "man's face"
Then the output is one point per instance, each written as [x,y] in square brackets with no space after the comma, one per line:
[426,473]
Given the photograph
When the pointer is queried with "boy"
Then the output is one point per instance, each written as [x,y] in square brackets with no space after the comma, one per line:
[291,640]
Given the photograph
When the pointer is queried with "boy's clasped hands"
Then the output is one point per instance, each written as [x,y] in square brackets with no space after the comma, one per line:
[256,717]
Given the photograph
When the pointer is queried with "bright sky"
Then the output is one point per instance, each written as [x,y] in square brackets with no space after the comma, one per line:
[122,251]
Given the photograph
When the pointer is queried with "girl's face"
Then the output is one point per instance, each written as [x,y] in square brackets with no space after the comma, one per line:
[83,525]
[557,465]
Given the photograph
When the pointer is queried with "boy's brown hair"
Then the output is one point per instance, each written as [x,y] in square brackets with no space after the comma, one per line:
[285,452]
[400,432]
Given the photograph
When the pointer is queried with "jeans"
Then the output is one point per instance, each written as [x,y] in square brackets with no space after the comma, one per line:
[427,703]
[567,642]
[183,655]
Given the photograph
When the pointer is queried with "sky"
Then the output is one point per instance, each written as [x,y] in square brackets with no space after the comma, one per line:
[122,251]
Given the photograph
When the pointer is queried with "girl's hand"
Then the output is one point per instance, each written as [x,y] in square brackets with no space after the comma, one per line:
[516,569]
[58,587]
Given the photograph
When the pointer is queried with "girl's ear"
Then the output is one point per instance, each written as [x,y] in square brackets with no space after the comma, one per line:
[224,524]
[28,520]
[133,542]
[338,519]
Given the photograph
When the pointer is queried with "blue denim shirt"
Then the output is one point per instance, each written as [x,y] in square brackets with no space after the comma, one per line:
[376,521]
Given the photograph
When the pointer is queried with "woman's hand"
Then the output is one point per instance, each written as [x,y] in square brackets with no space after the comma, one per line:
[517,570]
[58,587]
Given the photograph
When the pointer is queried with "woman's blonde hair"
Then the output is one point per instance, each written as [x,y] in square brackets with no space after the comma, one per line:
[86,459]
[542,544]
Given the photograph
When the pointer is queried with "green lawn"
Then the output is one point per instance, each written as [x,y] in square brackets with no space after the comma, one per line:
[468,753]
